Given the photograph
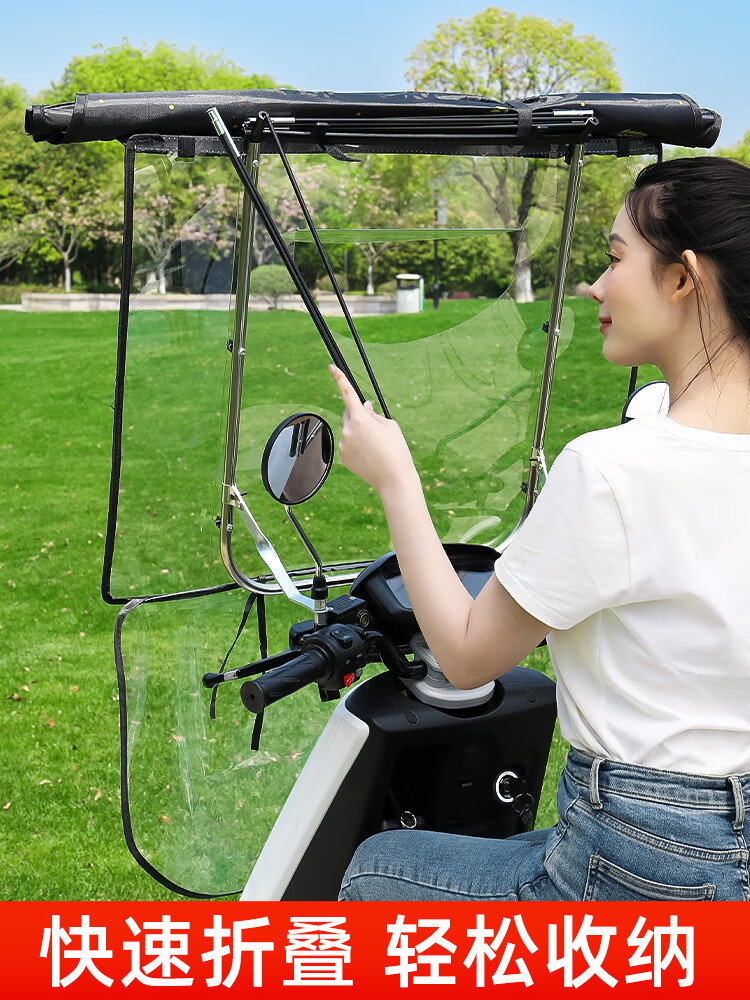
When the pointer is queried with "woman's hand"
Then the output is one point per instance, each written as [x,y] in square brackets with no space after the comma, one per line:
[371,446]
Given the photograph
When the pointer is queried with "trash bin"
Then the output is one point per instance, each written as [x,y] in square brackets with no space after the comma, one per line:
[409,293]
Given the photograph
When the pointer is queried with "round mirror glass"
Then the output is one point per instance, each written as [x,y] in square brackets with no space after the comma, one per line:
[653,397]
[297,458]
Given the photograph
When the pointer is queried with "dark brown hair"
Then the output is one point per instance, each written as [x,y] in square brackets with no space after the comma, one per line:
[700,204]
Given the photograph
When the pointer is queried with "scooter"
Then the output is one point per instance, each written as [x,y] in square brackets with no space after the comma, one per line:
[403,748]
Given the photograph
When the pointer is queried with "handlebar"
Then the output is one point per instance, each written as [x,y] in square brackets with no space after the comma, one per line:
[310,666]
[333,656]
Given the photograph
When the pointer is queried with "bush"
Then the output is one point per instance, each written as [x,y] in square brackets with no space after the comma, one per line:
[269,282]
[10,295]
[324,283]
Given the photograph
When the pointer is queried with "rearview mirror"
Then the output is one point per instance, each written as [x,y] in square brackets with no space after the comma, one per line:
[653,397]
[297,458]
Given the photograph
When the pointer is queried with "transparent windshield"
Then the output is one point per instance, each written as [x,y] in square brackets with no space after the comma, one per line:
[462,379]
[199,802]
[172,379]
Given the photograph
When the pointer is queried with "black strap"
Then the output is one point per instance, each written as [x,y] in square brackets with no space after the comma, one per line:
[263,640]
[248,605]
[524,120]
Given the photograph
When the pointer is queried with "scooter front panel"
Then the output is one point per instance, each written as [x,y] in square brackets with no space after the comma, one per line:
[417,761]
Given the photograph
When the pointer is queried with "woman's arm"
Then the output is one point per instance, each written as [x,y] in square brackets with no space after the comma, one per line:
[474,641]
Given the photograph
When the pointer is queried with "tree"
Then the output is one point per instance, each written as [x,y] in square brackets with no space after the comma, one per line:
[12,98]
[180,214]
[14,242]
[604,183]
[739,151]
[69,198]
[381,192]
[14,239]
[70,222]
[126,68]
[499,55]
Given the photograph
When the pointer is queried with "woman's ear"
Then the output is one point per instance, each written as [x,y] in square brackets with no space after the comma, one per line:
[685,278]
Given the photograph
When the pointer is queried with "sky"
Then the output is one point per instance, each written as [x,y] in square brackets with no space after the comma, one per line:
[660,46]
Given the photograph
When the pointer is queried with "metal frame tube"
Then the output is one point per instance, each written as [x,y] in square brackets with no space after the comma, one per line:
[244,260]
[234,399]
[536,460]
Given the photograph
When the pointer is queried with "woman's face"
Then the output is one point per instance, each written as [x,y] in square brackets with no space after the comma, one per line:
[635,317]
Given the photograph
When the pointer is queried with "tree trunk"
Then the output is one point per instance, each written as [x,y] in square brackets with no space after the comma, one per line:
[370,290]
[522,272]
[161,269]
[68,281]
[524,291]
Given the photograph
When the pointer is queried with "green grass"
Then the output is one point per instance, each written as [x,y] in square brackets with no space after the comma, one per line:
[60,830]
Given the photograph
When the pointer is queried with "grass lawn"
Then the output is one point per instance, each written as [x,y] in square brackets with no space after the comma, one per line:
[60,829]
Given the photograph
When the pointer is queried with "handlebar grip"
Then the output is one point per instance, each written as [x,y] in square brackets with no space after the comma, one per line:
[310,666]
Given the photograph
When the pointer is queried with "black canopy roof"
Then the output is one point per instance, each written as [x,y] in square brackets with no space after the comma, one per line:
[387,121]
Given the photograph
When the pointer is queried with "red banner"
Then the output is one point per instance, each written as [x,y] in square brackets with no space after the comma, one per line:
[374,949]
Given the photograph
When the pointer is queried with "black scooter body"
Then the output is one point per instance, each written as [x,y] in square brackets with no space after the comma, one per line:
[437,766]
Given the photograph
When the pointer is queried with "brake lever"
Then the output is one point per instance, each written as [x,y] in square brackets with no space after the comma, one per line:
[211,680]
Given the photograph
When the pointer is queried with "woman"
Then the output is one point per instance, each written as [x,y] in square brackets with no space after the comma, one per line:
[634,565]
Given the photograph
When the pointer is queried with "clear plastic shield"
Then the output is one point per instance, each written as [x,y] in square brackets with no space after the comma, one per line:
[462,379]
[198,801]
[171,375]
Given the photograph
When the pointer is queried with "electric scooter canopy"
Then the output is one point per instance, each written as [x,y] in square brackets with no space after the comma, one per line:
[200,257]
[408,121]
[220,337]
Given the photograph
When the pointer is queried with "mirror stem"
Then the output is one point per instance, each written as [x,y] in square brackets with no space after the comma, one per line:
[319,592]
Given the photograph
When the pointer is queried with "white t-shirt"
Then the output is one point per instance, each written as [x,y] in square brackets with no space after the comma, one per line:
[637,555]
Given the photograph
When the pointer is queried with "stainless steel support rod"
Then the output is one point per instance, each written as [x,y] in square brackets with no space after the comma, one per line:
[234,400]
[553,332]
[244,260]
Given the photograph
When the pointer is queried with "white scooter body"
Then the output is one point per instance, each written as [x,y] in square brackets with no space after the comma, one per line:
[329,762]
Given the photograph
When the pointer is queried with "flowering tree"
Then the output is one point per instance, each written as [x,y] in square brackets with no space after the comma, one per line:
[14,242]
[311,173]
[70,222]
[185,208]
[69,198]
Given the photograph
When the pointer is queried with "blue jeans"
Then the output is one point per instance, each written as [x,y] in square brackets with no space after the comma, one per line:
[624,833]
